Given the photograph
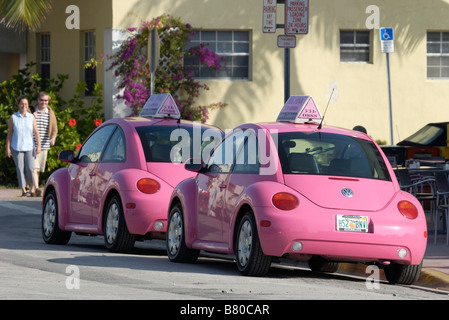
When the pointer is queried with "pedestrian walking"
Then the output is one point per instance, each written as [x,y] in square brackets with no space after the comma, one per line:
[21,146]
[48,129]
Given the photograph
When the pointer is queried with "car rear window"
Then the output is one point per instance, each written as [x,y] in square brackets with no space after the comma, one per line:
[330,154]
[176,143]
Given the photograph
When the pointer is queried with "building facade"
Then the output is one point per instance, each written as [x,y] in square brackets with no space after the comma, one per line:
[340,52]
[13,50]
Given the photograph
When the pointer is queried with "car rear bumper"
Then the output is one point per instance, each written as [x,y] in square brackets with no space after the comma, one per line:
[390,238]
[146,214]
[350,252]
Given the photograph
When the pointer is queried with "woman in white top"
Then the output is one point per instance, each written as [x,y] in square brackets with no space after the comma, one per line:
[20,144]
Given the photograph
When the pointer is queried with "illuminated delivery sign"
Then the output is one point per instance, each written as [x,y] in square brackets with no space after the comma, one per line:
[160,105]
[296,16]
[300,109]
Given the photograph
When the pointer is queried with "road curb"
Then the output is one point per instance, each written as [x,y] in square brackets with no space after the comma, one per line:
[428,278]
[434,279]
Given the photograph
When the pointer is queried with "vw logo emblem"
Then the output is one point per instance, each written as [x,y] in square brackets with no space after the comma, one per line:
[347,192]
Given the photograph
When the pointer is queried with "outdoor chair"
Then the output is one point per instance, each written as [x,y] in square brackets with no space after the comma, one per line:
[422,187]
[442,188]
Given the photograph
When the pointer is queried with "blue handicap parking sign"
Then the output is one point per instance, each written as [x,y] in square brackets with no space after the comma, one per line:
[386,34]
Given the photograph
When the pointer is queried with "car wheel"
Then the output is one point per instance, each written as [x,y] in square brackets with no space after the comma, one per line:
[116,235]
[402,274]
[251,261]
[177,250]
[50,222]
[318,264]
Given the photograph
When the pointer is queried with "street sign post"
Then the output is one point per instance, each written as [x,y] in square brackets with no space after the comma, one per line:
[296,21]
[269,16]
[387,47]
[296,16]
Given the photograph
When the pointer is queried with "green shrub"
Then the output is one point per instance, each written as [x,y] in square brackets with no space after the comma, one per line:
[77,118]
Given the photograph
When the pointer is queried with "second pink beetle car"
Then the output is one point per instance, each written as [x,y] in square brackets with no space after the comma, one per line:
[300,190]
[120,182]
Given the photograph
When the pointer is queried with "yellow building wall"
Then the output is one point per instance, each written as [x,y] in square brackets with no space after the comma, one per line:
[66,44]
[315,62]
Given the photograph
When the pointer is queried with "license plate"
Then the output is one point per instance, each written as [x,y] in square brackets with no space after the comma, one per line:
[352,223]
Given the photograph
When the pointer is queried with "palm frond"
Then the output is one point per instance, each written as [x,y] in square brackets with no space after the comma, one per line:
[24,14]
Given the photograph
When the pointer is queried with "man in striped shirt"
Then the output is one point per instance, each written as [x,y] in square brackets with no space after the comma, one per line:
[48,129]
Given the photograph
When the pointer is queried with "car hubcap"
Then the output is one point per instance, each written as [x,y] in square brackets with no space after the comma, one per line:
[174,233]
[112,223]
[49,218]
[245,243]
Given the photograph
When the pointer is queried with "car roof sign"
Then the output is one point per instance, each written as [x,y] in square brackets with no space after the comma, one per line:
[300,109]
[160,106]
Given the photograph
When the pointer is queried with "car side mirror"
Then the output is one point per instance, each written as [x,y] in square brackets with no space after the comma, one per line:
[66,155]
[192,165]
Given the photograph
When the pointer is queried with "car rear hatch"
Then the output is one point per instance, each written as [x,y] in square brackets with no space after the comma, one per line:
[171,173]
[345,193]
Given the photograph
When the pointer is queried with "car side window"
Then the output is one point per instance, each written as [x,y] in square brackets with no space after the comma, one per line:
[92,149]
[247,160]
[224,156]
[115,150]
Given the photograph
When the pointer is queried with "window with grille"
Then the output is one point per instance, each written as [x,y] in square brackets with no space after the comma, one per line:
[44,58]
[437,55]
[90,75]
[233,46]
[355,46]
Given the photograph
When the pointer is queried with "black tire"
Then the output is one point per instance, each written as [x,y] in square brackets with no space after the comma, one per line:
[402,274]
[116,235]
[251,261]
[177,250]
[318,264]
[50,222]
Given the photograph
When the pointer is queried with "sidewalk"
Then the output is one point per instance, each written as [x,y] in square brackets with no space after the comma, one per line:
[16,195]
[434,274]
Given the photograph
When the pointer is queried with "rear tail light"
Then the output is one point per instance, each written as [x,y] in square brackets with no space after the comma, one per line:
[408,209]
[147,185]
[285,201]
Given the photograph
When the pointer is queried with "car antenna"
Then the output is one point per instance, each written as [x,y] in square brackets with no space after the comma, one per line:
[322,119]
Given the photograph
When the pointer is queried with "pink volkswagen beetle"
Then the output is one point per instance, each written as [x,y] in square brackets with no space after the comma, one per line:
[120,181]
[300,190]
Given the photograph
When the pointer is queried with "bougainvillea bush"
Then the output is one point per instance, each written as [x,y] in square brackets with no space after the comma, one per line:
[131,63]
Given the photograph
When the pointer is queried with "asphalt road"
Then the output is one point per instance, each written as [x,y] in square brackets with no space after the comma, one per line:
[84,269]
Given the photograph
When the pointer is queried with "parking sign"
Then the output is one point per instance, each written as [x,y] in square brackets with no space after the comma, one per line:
[387,40]
[269,16]
[296,16]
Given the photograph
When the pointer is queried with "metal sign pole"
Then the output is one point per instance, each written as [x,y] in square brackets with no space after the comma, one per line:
[153,58]
[297,22]
[286,74]
[387,47]
[389,98]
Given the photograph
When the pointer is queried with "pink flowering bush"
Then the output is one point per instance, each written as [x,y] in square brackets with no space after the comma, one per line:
[133,66]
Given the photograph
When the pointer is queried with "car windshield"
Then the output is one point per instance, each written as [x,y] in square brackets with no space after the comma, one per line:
[330,154]
[177,144]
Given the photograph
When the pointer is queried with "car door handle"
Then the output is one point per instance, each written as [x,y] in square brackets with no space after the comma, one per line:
[222,186]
